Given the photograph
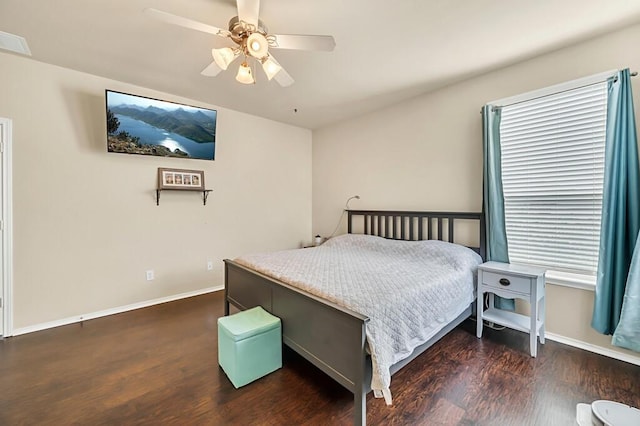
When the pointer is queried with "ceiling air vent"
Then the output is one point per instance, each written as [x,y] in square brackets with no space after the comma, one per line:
[14,43]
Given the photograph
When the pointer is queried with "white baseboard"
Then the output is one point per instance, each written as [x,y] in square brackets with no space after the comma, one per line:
[111,311]
[593,348]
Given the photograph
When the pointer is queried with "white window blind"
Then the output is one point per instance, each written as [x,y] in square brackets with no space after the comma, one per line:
[552,175]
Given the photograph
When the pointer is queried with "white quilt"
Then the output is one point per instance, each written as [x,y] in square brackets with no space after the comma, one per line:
[408,289]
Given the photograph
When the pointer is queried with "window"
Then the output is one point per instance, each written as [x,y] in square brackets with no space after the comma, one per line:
[552,174]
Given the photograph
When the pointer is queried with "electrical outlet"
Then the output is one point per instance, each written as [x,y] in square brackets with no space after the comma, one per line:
[209,265]
[150,275]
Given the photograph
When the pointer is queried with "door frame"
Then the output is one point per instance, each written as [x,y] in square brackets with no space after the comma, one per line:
[6,215]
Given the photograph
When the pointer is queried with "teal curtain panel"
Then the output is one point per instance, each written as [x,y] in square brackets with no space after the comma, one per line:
[493,197]
[620,214]
[627,334]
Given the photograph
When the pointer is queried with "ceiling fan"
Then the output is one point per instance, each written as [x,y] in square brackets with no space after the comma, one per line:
[253,41]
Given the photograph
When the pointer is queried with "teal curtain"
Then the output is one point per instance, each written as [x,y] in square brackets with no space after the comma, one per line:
[493,197]
[620,212]
[627,334]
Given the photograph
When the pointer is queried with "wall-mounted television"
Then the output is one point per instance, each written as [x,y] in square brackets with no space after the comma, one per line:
[146,126]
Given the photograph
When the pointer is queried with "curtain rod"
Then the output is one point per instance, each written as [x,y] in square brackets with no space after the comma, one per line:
[605,76]
[632,74]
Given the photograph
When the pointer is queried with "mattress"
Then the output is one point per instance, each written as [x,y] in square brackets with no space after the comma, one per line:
[408,289]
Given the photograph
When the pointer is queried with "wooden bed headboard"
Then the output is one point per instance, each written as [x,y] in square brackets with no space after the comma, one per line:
[410,226]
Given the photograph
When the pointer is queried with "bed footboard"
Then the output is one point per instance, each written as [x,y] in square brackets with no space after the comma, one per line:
[330,337]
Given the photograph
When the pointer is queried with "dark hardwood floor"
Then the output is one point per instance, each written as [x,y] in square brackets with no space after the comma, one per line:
[158,366]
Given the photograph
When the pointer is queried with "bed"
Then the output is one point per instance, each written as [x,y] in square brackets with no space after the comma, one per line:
[324,331]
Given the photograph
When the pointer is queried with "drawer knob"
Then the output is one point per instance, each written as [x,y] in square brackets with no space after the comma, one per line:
[505,282]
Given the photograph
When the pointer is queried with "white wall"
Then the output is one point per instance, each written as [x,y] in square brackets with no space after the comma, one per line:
[426,153]
[86,224]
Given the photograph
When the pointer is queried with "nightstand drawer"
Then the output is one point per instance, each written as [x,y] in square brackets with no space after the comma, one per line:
[507,282]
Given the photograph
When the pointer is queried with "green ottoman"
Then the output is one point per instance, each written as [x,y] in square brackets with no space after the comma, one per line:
[249,345]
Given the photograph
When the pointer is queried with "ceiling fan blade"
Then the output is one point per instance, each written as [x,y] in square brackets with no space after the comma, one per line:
[212,70]
[185,22]
[302,42]
[248,11]
[283,78]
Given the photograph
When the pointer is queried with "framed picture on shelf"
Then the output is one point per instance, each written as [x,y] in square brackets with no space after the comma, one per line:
[180,179]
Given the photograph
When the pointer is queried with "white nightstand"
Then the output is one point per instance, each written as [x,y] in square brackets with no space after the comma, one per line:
[513,281]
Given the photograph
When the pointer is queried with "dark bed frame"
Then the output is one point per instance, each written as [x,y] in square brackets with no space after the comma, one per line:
[329,336]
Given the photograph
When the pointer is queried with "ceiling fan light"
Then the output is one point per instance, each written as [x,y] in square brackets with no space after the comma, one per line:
[271,67]
[224,56]
[257,45]
[245,76]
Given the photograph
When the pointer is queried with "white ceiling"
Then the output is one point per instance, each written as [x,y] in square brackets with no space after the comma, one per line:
[386,50]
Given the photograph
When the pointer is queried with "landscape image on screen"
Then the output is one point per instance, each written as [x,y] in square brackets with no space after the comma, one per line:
[139,125]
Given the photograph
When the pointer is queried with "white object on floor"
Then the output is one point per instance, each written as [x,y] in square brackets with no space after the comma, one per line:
[612,413]
[583,414]
[607,413]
